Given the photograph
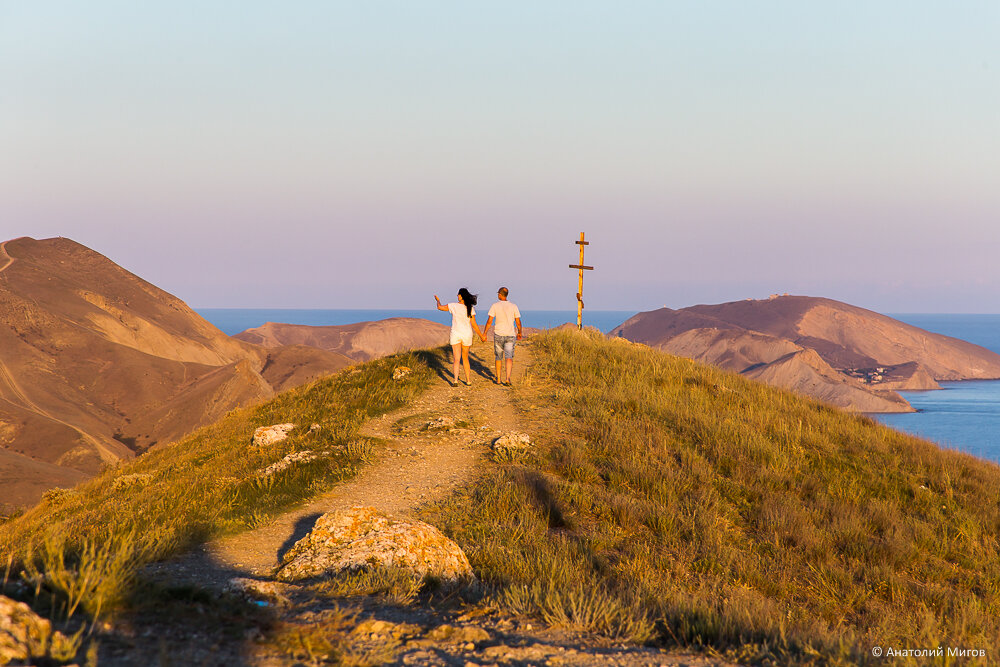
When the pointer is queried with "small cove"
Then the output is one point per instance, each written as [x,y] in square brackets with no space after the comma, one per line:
[961,415]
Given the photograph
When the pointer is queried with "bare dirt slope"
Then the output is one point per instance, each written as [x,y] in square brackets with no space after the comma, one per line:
[845,336]
[746,336]
[414,466]
[97,365]
[360,341]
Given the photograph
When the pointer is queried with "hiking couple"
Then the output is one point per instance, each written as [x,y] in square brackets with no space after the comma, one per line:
[463,322]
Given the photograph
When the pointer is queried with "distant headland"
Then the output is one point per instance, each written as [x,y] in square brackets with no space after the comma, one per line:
[847,356]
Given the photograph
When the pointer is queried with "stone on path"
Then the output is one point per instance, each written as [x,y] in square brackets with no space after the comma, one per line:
[255,589]
[440,424]
[362,537]
[512,441]
[24,636]
[269,435]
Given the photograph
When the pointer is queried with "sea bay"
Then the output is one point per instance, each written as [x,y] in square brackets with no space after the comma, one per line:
[232,321]
[962,415]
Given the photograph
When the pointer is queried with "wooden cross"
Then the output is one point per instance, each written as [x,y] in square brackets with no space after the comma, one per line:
[579,293]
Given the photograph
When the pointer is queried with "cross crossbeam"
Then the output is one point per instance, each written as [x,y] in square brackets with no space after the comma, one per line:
[581,267]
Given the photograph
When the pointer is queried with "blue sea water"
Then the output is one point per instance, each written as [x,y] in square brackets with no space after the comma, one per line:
[234,320]
[962,415]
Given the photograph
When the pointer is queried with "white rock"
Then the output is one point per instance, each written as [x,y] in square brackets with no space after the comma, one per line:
[269,435]
[290,460]
[363,537]
[512,440]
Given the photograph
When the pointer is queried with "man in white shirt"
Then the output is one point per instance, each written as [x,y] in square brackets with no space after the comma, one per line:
[504,333]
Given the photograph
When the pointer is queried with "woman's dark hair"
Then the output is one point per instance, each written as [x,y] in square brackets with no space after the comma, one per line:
[468,298]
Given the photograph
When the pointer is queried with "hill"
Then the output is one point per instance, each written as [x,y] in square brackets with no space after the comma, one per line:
[98,365]
[664,502]
[360,341]
[848,356]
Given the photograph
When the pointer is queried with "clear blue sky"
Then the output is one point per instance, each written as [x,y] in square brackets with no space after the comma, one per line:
[370,154]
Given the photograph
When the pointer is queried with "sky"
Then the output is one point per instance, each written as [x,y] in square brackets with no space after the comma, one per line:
[373,154]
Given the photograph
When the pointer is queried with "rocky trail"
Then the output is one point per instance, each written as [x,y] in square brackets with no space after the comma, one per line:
[4,257]
[431,447]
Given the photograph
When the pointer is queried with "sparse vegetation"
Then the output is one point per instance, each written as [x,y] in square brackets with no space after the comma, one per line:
[663,502]
[397,586]
[81,549]
[333,636]
[679,503]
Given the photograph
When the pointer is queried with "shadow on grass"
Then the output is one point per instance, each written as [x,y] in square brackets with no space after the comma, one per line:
[185,612]
[541,493]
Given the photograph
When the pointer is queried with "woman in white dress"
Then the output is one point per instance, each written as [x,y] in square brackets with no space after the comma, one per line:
[463,321]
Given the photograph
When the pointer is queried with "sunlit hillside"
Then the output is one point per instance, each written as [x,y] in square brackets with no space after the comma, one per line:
[665,503]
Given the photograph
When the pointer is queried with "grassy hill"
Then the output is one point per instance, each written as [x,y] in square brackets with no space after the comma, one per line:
[666,502]
[84,546]
[680,504]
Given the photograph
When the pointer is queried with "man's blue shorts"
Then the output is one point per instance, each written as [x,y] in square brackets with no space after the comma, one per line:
[503,346]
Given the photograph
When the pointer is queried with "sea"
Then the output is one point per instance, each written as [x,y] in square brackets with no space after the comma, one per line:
[962,415]
[234,320]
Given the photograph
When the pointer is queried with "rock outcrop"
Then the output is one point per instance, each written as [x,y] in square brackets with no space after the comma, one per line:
[844,355]
[305,456]
[512,442]
[269,435]
[362,537]
[27,638]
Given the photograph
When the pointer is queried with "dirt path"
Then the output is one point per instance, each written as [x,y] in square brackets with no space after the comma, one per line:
[5,256]
[416,465]
[106,454]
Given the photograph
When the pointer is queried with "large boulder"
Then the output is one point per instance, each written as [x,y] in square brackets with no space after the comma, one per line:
[25,636]
[362,537]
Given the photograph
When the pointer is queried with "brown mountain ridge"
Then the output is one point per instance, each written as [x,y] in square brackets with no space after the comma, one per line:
[97,365]
[842,354]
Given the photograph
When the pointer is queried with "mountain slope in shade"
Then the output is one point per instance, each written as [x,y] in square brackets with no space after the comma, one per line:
[97,365]
[850,344]
[361,341]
